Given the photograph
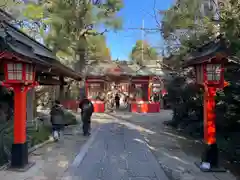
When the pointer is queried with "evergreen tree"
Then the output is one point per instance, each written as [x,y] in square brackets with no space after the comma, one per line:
[66,25]
[142,51]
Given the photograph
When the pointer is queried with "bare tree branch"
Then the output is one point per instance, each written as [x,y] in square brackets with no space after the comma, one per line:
[155,14]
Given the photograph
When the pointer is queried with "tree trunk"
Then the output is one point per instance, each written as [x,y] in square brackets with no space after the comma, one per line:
[81,59]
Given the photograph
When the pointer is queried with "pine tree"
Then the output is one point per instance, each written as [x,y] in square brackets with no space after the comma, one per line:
[66,24]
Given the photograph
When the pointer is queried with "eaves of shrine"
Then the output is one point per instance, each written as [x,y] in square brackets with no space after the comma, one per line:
[14,41]
[206,52]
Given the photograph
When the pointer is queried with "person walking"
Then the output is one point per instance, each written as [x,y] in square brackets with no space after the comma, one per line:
[57,120]
[87,109]
[117,101]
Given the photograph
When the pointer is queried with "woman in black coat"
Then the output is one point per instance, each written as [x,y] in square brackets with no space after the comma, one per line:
[87,109]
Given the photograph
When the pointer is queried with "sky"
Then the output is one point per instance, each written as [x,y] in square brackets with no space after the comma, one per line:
[133,14]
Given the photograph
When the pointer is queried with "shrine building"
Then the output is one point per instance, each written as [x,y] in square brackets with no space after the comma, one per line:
[143,85]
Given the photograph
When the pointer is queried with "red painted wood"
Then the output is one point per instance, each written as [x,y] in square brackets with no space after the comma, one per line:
[153,107]
[70,104]
[134,107]
[24,80]
[99,106]
[145,107]
[210,121]
[20,116]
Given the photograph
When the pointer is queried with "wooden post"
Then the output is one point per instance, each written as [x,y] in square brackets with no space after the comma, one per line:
[19,147]
[210,123]
[86,88]
[61,90]
[210,155]
[149,89]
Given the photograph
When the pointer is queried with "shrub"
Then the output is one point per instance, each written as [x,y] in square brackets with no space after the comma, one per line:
[37,137]
[186,101]
[70,118]
[6,140]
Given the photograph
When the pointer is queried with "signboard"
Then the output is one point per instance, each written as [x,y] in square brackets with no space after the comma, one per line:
[138,85]
[95,80]
[156,90]
[156,85]
[94,85]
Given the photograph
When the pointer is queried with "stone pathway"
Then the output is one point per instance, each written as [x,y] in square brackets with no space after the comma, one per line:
[175,153]
[53,159]
[121,149]
[117,153]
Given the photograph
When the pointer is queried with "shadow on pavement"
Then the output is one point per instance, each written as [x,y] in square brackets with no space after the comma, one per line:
[118,152]
[172,148]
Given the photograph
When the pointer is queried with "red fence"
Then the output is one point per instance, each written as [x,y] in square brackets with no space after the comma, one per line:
[99,106]
[70,104]
[145,107]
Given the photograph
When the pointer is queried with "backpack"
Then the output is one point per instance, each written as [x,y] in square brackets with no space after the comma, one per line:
[87,107]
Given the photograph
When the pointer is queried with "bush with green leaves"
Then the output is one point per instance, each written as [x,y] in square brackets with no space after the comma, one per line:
[186,101]
[38,136]
[70,118]
[6,140]
[34,137]
[228,114]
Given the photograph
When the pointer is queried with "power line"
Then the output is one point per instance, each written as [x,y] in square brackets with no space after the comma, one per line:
[143,29]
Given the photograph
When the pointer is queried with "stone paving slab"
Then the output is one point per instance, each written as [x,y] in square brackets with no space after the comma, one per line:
[175,153]
[52,159]
[117,153]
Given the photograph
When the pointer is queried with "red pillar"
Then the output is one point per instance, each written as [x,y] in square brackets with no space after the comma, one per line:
[211,154]
[149,89]
[86,88]
[19,147]
[210,117]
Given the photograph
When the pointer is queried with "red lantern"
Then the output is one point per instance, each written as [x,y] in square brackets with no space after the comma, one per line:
[19,72]
[210,73]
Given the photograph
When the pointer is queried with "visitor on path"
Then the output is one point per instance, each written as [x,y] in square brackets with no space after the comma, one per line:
[87,109]
[57,120]
[117,101]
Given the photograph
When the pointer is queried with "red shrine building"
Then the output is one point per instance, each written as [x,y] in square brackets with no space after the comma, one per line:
[143,86]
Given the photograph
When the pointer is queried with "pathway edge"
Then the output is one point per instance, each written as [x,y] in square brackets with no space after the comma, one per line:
[84,149]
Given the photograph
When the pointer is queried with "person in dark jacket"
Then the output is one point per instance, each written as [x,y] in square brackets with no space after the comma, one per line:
[117,101]
[87,109]
[57,117]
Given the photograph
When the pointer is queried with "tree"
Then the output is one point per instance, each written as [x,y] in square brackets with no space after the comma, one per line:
[66,25]
[195,33]
[142,51]
[97,48]
[186,25]
[197,27]
[12,6]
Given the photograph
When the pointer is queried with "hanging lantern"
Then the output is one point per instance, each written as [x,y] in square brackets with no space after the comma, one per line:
[19,72]
[210,73]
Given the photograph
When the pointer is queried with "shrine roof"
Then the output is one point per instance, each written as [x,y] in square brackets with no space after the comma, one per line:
[127,69]
[5,16]
[205,52]
[102,68]
[96,68]
[15,41]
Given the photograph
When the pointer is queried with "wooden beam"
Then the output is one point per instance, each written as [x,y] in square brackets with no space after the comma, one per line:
[50,80]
